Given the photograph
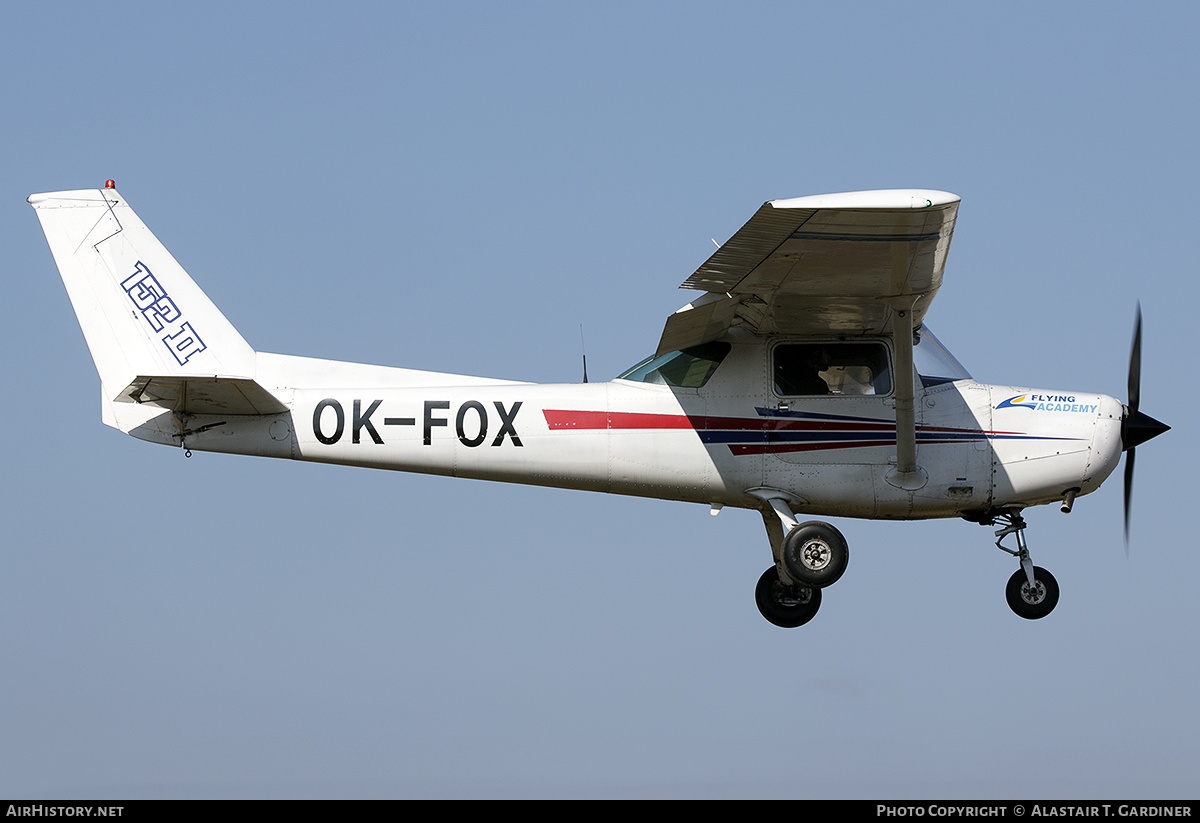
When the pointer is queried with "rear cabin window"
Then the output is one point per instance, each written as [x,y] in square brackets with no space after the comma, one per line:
[687,369]
[814,369]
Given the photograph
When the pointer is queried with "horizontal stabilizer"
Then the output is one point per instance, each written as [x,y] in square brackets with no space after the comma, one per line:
[202,395]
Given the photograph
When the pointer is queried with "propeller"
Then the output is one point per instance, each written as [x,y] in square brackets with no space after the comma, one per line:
[1136,428]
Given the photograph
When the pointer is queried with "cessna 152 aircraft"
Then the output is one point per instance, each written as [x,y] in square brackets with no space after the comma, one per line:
[802,382]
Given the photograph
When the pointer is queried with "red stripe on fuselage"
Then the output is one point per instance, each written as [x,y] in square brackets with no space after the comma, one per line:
[566,419]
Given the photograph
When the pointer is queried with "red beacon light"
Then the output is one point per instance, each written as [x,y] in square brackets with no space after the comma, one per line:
[110,184]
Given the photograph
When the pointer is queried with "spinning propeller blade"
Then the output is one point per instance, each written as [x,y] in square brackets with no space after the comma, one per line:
[1136,428]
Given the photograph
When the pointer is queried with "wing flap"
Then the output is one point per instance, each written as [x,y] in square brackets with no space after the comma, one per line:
[706,319]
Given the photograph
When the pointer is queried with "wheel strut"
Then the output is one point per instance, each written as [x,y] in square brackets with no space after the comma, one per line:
[1016,525]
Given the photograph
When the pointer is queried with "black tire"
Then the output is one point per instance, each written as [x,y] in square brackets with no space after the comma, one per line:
[815,554]
[786,609]
[1032,603]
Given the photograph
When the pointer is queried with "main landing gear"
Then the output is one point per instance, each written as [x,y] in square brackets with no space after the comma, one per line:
[808,557]
[815,554]
[1032,592]
[786,605]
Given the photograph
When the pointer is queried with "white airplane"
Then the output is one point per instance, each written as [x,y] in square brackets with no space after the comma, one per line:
[802,382]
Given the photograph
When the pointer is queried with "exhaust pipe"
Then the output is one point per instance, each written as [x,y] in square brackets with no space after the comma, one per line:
[1068,500]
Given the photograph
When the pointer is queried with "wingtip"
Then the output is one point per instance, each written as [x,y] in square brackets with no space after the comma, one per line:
[875,199]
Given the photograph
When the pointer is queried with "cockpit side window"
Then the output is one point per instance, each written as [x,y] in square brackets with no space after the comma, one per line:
[690,368]
[811,369]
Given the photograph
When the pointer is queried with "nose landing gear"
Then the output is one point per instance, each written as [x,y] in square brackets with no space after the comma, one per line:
[1032,592]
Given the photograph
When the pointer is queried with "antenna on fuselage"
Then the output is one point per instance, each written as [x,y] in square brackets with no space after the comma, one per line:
[583,349]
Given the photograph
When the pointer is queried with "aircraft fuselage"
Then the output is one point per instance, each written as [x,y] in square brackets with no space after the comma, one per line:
[981,446]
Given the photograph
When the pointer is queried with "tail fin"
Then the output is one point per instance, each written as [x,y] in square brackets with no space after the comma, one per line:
[154,335]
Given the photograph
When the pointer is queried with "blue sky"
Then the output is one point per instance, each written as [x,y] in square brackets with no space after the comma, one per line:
[461,187]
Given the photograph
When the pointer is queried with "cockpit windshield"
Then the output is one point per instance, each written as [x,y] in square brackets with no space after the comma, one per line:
[689,369]
[933,363]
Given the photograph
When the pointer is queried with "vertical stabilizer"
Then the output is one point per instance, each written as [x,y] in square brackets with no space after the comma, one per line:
[141,314]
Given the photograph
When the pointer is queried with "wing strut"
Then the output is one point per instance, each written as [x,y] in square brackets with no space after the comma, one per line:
[907,475]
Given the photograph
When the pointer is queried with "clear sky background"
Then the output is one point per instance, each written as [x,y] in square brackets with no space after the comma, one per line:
[460,187]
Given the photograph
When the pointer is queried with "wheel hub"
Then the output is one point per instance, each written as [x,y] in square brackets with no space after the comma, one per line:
[815,555]
[1033,594]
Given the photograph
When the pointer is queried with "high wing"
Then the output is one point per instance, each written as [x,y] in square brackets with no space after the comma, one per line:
[832,263]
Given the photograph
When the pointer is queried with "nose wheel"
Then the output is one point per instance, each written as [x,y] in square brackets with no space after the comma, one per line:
[1032,600]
